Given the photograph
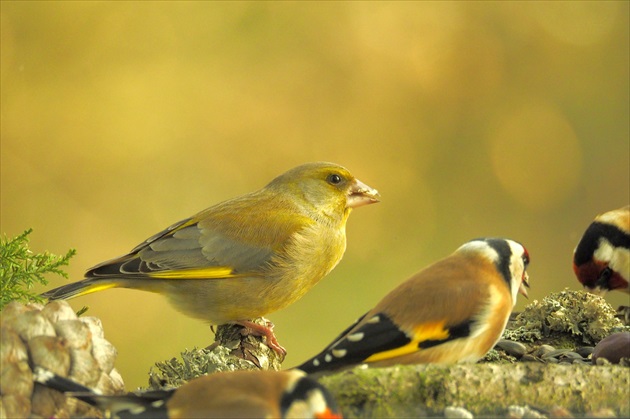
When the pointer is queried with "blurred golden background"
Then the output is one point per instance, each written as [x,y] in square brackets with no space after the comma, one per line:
[471,118]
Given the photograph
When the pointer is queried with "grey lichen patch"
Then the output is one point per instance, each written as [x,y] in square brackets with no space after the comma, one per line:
[579,316]
[194,363]
[234,349]
[498,357]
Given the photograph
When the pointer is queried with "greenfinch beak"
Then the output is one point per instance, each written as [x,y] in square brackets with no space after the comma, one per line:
[361,194]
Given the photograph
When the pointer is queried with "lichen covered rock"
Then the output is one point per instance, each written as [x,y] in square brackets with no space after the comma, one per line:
[235,348]
[577,316]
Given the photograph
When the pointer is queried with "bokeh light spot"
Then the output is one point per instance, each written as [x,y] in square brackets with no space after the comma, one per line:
[579,23]
[536,156]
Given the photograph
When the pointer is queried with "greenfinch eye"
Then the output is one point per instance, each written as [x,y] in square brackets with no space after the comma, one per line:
[334,179]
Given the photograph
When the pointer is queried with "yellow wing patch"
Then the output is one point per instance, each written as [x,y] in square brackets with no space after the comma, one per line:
[94,288]
[213,272]
[425,331]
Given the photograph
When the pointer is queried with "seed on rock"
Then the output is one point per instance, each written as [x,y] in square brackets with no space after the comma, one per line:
[516,349]
[585,351]
[529,358]
[555,353]
[542,350]
[571,355]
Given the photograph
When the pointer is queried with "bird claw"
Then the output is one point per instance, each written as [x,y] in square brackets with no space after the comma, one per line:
[266,331]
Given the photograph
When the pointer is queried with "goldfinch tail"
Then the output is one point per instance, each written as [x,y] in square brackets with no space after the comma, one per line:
[77,289]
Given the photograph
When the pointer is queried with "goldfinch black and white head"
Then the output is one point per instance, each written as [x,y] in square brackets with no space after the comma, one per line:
[601,260]
[454,310]
[238,394]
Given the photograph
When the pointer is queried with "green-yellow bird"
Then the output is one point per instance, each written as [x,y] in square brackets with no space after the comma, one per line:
[246,257]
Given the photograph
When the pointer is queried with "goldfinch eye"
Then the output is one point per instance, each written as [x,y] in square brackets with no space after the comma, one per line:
[334,179]
[526,258]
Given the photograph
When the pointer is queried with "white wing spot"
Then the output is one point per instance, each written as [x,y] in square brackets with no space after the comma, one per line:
[327,358]
[339,353]
[158,403]
[374,319]
[42,375]
[355,337]
[137,410]
[316,362]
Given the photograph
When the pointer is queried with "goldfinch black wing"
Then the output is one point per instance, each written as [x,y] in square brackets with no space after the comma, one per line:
[379,338]
[150,405]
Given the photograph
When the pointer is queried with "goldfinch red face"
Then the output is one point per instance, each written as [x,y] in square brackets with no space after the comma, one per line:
[454,310]
[306,398]
[601,260]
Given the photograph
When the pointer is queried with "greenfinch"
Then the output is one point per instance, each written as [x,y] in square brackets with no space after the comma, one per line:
[246,257]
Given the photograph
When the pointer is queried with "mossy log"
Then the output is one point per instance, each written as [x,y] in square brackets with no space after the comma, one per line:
[483,389]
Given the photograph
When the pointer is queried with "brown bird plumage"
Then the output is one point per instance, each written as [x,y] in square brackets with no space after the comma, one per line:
[452,311]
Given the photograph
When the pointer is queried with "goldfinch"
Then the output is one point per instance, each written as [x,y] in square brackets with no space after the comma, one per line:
[245,257]
[237,394]
[454,310]
[601,260]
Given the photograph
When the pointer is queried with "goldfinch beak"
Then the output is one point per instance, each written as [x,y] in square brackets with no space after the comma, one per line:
[597,291]
[361,194]
[524,283]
